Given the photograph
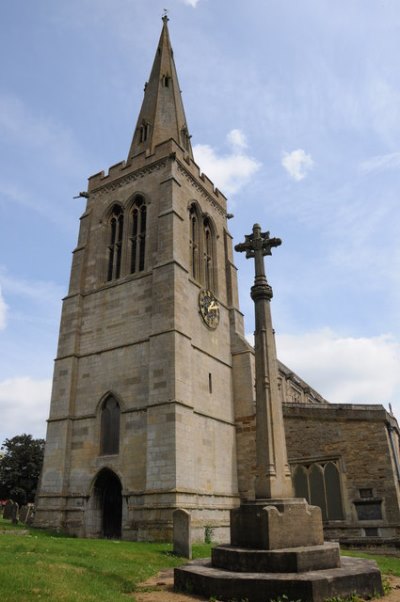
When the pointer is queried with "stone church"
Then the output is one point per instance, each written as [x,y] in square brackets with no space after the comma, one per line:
[152,405]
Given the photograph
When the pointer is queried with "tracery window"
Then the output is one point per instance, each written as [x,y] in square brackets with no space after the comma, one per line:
[109,431]
[116,228]
[319,484]
[138,236]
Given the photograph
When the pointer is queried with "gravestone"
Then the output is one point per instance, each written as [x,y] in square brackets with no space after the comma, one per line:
[8,510]
[182,533]
[26,513]
[15,513]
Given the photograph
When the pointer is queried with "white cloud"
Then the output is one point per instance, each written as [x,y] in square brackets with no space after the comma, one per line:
[191,2]
[24,406]
[3,311]
[381,163]
[237,139]
[229,172]
[297,164]
[344,369]
[36,290]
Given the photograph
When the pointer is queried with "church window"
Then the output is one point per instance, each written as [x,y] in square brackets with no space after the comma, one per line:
[194,242]
[319,484]
[138,235]
[209,382]
[208,255]
[144,132]
[166,80]
[115,243]
[109,432]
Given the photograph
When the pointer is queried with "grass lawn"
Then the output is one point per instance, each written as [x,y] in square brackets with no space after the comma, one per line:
[44,566]
[389,565]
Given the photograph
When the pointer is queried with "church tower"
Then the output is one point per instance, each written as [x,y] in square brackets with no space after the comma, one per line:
[151,347]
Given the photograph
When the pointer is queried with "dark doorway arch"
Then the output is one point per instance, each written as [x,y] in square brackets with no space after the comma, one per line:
[108,494]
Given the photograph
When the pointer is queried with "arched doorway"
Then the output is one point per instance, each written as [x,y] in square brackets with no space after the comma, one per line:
[107,493]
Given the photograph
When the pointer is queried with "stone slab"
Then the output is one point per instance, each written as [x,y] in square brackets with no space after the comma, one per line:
[354,575]
[182,533]
[276,524]
[290,560]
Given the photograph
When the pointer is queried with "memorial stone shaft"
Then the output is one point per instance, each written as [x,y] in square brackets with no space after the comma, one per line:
[273,479]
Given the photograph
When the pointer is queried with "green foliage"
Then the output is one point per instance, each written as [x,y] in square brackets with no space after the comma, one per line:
[20,468]
[208,533]
[387,588]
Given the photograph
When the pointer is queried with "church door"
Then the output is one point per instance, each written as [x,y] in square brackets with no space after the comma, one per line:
[108,492]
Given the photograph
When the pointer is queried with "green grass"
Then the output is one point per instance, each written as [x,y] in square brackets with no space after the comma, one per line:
[44,566]
[389,565]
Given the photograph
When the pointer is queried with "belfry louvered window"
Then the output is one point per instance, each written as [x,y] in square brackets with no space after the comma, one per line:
[208,254]
[194,241]
[138,236]
[116,228]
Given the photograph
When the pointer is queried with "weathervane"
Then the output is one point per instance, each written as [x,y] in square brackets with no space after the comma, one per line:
[165,15]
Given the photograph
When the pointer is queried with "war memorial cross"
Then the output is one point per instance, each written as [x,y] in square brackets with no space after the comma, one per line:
[273,478]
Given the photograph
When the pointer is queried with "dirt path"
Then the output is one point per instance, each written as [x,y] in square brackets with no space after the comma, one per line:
[162,586]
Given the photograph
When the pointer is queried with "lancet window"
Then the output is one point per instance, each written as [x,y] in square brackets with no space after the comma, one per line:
[110,427]
[116,230]
[208,254]
[144,131]
[138,236]
[194,242]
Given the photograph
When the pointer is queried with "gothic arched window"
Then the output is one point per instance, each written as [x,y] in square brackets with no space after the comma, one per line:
[319,484]
[116,227]
[138,235]
[109,430]
[194,242]
[208,254]
[144,132]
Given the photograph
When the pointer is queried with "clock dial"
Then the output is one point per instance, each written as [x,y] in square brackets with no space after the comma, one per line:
[209,308]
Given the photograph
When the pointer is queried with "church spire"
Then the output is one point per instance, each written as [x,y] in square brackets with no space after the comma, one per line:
[162,115]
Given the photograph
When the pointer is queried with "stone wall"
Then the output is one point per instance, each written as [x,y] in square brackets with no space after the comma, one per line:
[356,438]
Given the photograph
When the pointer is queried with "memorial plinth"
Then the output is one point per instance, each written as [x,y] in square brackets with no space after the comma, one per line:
[277,546]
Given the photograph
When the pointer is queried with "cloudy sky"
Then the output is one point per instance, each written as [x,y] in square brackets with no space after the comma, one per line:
[294,111]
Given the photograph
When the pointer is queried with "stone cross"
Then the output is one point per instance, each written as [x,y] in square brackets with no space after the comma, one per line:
[273,478]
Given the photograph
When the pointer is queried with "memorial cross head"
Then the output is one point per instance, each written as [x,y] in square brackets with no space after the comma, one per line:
[257,245]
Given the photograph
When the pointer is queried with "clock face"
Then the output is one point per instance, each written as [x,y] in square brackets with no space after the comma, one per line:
[209,308]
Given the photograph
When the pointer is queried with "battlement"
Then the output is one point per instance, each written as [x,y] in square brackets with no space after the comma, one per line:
[168,149]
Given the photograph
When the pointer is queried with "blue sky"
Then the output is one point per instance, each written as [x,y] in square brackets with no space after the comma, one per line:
[294,111]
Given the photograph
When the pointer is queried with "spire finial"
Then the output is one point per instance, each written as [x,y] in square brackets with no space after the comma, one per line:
[165,16]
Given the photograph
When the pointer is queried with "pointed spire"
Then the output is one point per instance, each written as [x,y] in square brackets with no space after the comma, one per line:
[162,115]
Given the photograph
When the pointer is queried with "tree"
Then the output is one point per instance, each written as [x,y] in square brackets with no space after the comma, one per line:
[20,468]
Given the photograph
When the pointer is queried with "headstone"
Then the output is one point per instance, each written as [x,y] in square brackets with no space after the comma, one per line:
[15,513]
[23,513]
[182,533]
[26,513]
[8,510]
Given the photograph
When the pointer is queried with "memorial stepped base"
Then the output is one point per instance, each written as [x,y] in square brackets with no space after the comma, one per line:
[353,575]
